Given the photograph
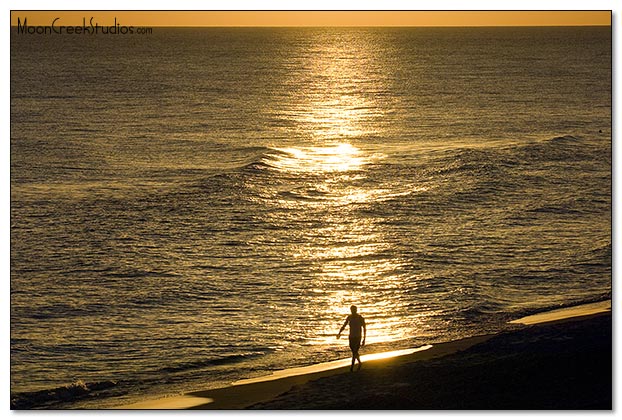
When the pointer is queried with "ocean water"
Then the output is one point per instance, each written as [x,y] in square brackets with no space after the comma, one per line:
[197,206]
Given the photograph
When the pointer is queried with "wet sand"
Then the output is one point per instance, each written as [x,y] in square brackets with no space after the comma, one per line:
[562,360]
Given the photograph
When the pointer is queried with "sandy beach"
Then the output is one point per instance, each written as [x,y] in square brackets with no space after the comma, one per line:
[558,360]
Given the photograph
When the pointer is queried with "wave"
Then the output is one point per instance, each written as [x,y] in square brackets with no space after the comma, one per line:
[259,166]
[564,140]
[310,195]
[67,395]
[562,208]
[603,251]
[561,148]
[339,157]
[597,257]
[487,162]
[255,159]
[48,398]
[216,361]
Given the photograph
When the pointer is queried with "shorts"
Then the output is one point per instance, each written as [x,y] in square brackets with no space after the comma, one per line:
[355,344]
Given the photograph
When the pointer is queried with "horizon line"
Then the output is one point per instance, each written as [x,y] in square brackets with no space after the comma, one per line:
[363,26]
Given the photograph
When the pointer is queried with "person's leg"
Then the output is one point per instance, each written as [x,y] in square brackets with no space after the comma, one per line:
[354,349]
[355,345]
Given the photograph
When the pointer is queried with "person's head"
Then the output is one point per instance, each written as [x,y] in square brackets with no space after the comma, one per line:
[353,309]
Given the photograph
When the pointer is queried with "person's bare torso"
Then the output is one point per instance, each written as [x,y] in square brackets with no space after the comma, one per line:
[356,325]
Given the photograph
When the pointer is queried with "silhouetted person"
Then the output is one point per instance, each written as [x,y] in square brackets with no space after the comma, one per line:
[357,322]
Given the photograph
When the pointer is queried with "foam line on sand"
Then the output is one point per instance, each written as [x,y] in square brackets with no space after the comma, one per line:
[250,391]
[565,313]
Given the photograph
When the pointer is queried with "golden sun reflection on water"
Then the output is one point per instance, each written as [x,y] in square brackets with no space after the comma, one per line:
[338,117]
[340,157]
[355,267]
[337,171]
[351,257]
[382,327]
[350,254]
[343,110]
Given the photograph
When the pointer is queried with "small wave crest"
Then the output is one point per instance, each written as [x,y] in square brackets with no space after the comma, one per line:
[557,149]
[216,361]
[259,166]
[342,157]
[47,398]
[561,208]
[257,159]
[563,139]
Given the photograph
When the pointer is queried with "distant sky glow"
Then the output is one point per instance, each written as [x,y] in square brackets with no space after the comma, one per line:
[318,18]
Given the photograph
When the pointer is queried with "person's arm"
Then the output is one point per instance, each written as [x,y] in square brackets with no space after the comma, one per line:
[364,332]
[343,327]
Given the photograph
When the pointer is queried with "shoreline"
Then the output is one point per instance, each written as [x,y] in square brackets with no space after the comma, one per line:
[564,365]
[257,392]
